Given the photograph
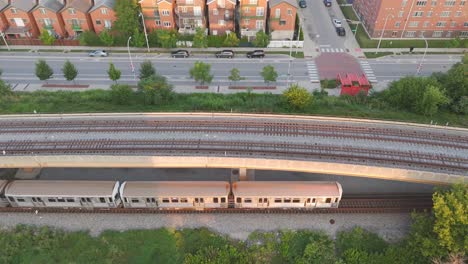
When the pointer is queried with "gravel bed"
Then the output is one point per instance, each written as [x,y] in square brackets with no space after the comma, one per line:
[391,227]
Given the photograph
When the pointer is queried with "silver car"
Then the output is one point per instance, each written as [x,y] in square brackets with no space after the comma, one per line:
[98,53]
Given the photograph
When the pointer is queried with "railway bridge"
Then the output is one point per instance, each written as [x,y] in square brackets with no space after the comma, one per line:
[340,146]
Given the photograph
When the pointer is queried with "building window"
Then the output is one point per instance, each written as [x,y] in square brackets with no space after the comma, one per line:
[198,22]
[253,2]
[445,13]
[449,34]
[197,11]
[421,3]
[247,10]
[404,2]
[260,11]
[464,34]
[453,24]
[410,34]
[215,12]
[458,13]
[158,22]
[167,24]
[47,22]
[434,3]
[441,24]
[426,24]
[98,22]
[259,24]
[107,23]
[437,34]
[215,32]
[413,24]
[397,24]
[289,12]
[418,14]
[165,12]
[13,10]
[277,13]
[465,24]
[104,11]
[71,11]
[429,13]
[394,33]
[449,3]
[189,2]
[282,22]
[401,13]
[247,22]
[42,10]
[462,3]
[184,9]
[221,22]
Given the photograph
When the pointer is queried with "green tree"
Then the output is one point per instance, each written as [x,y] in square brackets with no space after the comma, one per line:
[43,70]
[126,22]
[231,40]
[432,98]
[201,72]
[121,93]
[451,218]
[46,38]
[456,84]
[146,69]
[167,38]
[90,38]
[69,71]
[107,38]
[422,241]
[113,72]
[155,90]
[262,39]
[235,75]
[269,74]
[5,89]
[200,40]
[138,39]
[297,97]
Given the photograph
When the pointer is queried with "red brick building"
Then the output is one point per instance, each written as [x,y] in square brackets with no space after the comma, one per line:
[47,17]
[21,23]
[76,17]
[282,19]
[3,21]
[253,15]
[414,18]
[159,14]
[190,14]
[102,15]
[221,16]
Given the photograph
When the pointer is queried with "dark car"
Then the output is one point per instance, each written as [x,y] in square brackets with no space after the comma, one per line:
[327,2]
[225,54]
[302,4]
[256,54]
[340,31]
[180,54]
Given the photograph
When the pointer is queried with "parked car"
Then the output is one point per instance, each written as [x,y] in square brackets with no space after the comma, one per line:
[225,54]
[98,53]
[180,54]
[337,23]
[340,31]
[256,54]
[327,3]
[302,4]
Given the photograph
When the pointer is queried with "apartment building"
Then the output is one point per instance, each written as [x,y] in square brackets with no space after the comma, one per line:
[414,18]
[76,17]
[221,16]
[47,17]
[159,14]
[190,14]
[282,19]
[102,15]
[20,20]
[253,15]
[3,21]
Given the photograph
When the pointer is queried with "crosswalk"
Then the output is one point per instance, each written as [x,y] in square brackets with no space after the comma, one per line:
[331,50]
[313,73]
[368,71]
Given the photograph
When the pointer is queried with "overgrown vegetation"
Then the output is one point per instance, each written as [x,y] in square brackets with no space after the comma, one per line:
[438,237]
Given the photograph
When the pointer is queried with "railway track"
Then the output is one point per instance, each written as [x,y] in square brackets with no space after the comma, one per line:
[237,127]
[361,205]
[237,149]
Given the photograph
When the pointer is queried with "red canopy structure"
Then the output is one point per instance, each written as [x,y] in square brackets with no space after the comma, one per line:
[352,84]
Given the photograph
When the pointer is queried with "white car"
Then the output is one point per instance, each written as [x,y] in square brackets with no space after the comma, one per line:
[337,23]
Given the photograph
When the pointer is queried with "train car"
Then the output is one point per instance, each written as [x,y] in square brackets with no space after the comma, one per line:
[175,194]
[284,194]
[65,194]
[3,200]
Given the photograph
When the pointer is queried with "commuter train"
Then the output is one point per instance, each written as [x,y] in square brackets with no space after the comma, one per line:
[197,195]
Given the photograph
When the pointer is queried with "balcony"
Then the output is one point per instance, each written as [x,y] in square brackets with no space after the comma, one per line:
[76,27]
[187,30]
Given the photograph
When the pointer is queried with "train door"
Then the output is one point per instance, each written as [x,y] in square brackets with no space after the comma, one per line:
[37,202]
[86,202]
[310,203]
[199,203]
[151,202]
[262,203]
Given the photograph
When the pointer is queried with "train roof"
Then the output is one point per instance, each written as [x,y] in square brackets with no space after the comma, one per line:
[286,188]
[175,188]
[61,188]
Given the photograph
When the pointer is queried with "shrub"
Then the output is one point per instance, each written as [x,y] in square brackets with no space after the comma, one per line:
[215,41]
[297,97]
[89,38]
[121,93]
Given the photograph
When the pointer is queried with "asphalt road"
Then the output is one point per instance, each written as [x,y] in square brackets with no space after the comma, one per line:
[20,67]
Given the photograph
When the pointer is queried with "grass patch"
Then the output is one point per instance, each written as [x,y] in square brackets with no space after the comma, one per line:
[371,55]
[299,55]
[11,50]
[348,12]
[328,84]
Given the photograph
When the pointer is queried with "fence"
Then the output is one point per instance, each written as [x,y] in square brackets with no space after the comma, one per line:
[285,43]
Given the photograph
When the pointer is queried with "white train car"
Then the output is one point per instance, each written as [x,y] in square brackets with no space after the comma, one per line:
[65,194]
[175,194]
[3,200]
[284,194]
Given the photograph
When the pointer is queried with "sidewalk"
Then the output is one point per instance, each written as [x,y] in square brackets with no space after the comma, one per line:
[399,50]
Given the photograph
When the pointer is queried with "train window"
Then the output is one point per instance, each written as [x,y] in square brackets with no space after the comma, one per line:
[287,200]
[70,200]
[60,200]
[247,200]
[313,200]
[223,199]
[239,200]
[308,200]
[165,200]
[183,200]
[52,200]
[296,200]
[125,199]
[260,200]
[135,200]
[34,199]
[277,200]
[202,200]
[102,199]
[84,200]
[153,200]
[11,199]
[215,200]
[39,199]
[196,200]
[336,200]
[110,199]
[328,200]
[88,200]
[20,200]
[148,200]
[174,200]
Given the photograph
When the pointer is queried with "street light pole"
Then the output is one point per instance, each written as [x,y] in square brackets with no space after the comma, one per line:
[290,55]
[4,40]
[298,35]
[144,28]
[418,71]
[130,57]
[383,30]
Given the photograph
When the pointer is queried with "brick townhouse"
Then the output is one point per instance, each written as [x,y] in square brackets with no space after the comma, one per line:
[159,14]
[221,16]
[3,21]
[20,20]
[102,15]
[414,18]
[76,17]
[190,14]
[47,17]
[252,17]
[282,18]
